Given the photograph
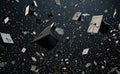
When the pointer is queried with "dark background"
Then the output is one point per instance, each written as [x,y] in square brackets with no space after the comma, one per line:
[103,48]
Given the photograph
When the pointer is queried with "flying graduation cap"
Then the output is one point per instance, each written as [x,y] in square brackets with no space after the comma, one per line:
[97,24]
[48,38]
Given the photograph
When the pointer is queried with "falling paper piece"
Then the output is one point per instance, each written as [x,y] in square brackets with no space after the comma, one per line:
[85,51]
[33,68]
[6,20]
[2,64]
[13,62]
[64,68]
[83,72]
[57,2]
[106,11]
[102,67]
[119,26]
[35,3]
[25,32]
[87,65]
[95,24]
[85,14]
[34,59]
[95,63]
[117,71]
[77,16]
[43,54]
[112,70]
[23,50]
[34,32]
[59,31]
[17,1]
[27,10]
[35,13]
[6,38]
[114,13]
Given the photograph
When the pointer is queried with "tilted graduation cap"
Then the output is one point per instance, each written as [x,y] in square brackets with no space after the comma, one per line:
[48,38]
[6,38]
[97,24]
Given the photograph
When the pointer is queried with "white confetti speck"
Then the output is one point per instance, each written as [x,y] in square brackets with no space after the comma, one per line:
[85,51]
[6,20]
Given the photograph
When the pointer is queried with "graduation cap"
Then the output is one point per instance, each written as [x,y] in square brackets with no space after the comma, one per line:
[77,16]
[97,24]
[6,38]
[29,11]
[48,38]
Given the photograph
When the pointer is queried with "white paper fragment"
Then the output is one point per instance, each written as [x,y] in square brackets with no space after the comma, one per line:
[106,11]
[64,68]
[76,5]
[67,37]
[117,41]
[38,53]
[117,71]
[17,1]
[95,63]
[60,31]
[76,16]
[33,68]
[34,59]
[66,59]
[6,20]
[37,70]
[27,10]
[43,54]
[13,62]
[102,67]
[112,70]
[85,51]
[35,13]
[6,38]
[23,50]
[25,32]
[87,65]
[85,14]
[95,24]
[83,72]
[35,3]
[114,13]
[2,64]
[57,2]
[119,26]
[34,33]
